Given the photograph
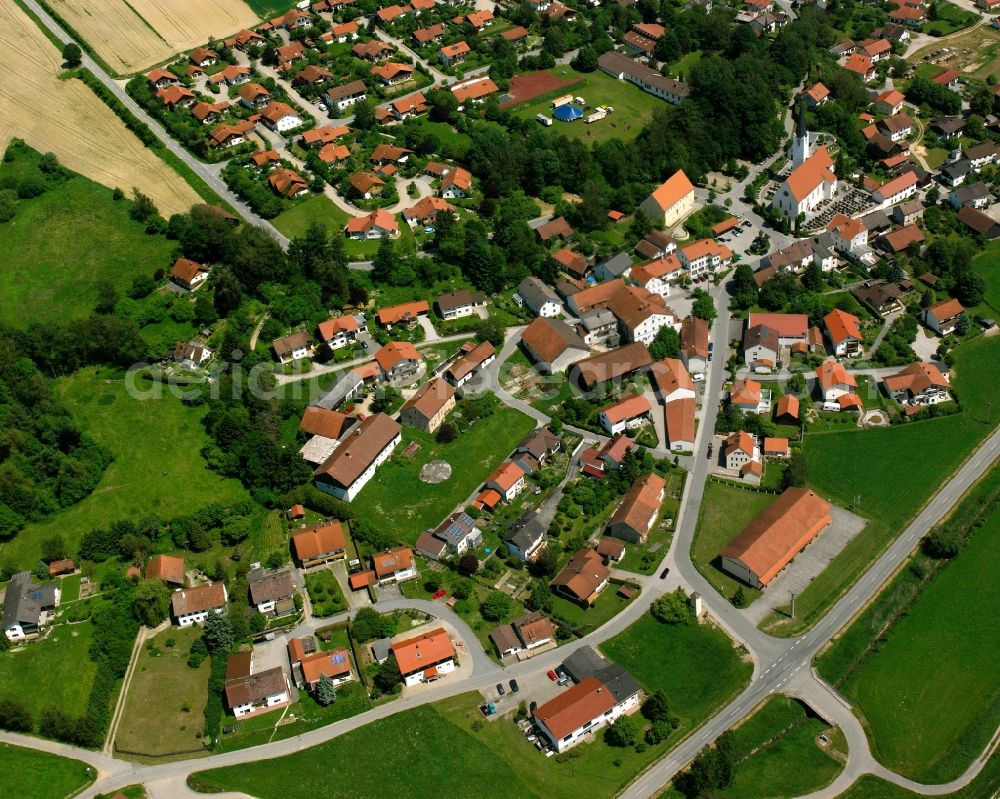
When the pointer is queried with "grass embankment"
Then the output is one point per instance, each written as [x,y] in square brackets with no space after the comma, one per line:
[930,723]
[984,786]
[778,754]
[162,678]
[157,469]
[398,500]
[62,244]
[30,774]
[894,471]
[725,510]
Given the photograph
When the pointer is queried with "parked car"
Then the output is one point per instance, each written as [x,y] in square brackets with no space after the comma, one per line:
[552,675]
[532,708]
[500,689]
[664,573]
[514,688]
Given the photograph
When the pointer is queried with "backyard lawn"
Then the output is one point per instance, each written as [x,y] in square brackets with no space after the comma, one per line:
[61,244]
[163,678]
[778,754]
[696,665]
[319,208]
[56,672]
[399,501]
[725,511]
[325,595]
[31,774]
[950,18]
[156,446]
[633,107]
[929,724]
[437,750]
[850,465]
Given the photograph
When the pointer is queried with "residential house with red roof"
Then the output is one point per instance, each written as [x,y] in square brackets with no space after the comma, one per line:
[595,701]
[376,225]
[424,658]
[837,387]
[339,332]
[429,407]
[398,361]
[918,384]
[394,566]
[507,480]
[635,515]
[583,578]
[193,605]
[844,333]
[188,274]
[627,414]
[942,317]
[319,543]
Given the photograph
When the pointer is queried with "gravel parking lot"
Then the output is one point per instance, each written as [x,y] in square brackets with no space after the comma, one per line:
[808,563]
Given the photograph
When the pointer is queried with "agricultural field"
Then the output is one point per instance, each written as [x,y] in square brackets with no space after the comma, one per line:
[929,724]
[473,455]
[725,510]
[55,672]
[850,465]
[633,107]
[65,117]
[156,444]
[696,665]
[40,775]
[163,677]
[131,35]
[778,754]
[61,243]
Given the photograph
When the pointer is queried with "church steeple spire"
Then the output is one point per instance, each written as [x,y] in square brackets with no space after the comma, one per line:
[800,143]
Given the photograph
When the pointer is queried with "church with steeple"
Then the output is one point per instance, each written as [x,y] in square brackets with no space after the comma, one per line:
[812,180]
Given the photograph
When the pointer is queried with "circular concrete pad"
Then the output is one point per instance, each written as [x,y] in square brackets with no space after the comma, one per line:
[435,472]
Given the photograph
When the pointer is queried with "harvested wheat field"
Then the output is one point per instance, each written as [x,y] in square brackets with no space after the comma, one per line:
[131,35]
[66,118]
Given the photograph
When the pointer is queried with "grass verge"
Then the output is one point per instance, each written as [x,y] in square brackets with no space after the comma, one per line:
[35,775]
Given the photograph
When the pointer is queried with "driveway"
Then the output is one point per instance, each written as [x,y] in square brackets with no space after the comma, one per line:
[808,563]
[926,344]
[355,599]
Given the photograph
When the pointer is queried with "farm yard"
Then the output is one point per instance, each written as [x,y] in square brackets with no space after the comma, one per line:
[135,34]
[633,108]
[66,118]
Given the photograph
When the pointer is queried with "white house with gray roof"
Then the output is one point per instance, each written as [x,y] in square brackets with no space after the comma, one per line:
[27,607]
[538,297]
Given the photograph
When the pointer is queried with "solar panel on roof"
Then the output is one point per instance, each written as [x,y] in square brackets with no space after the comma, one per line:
[338,659]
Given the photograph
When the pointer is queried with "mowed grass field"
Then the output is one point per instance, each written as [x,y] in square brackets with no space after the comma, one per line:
[725,511]
[66,117]
[696,666]
[779,755]
[56,672]
[929,693]
[983,786]
[30,774]
[163,679]
[131,35]
[400,501]
[58,247]
[633,107]
[894,471]
[158,468]
[437,750]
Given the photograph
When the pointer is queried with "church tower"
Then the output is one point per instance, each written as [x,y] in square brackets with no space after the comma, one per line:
[800,144]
